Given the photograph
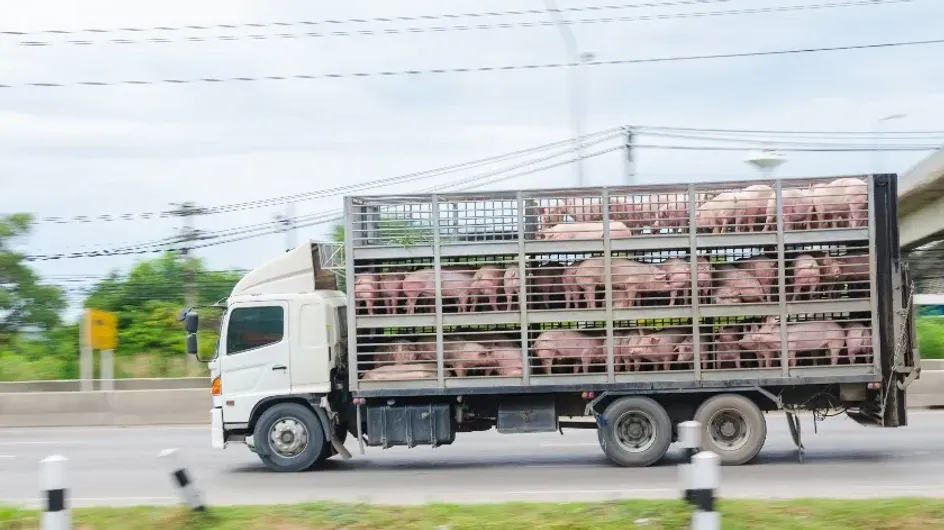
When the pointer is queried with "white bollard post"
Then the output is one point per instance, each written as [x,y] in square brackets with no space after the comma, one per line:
[52,479]
[181,478]
[689,437]
[706,477]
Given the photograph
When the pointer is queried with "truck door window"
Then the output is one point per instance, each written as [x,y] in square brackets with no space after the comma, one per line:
[254,327]
[341,312]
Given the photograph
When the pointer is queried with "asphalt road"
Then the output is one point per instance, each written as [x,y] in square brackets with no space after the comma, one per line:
[120,466]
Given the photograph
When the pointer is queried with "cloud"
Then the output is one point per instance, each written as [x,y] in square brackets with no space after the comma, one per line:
[87,150]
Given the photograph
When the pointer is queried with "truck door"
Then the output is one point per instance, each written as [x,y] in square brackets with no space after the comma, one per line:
[254,357]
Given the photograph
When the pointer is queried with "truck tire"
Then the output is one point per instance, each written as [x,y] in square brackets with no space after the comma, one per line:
[291,438]
[733,427]
[637,432]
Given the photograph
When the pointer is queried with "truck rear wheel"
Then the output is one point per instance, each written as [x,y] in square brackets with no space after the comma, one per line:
[637,432]
[290,438]
[733,427]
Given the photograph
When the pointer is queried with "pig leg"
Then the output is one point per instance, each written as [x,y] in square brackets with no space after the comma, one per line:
[459,369]
[835,348]
[493,299]
[672,295]
[370,305]
[411,303]
[590,296]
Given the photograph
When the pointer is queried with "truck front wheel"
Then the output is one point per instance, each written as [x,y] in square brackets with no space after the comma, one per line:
[733,427]
[290,438]
[636,432]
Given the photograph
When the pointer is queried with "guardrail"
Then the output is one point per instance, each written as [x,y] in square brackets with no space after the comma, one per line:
[143,402]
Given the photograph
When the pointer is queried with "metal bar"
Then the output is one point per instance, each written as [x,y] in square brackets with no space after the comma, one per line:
[437,275]
[522,306]
[693,261]
[352,364]
[873,280]
[608,287]
[782,281]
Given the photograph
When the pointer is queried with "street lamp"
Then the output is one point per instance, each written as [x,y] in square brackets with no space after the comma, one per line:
[766,161]
[876,130]
[577,60]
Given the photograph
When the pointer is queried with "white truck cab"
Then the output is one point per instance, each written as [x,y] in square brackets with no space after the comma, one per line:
[279,337]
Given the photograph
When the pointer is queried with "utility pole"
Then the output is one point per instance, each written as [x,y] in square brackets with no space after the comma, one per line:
[288,225]
[188,234]
[630,157]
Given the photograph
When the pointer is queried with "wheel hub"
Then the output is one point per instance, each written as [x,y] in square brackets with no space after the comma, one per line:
[288,437]
[635,431]
[729,429]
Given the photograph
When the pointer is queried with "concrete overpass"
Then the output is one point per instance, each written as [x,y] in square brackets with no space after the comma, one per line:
[921,202]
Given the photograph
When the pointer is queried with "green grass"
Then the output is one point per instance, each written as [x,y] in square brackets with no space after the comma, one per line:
[897,514]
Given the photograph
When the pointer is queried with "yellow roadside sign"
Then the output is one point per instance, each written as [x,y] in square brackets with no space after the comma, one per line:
[103,329]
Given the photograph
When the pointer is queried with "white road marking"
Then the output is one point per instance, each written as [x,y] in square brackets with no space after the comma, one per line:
[572,444]
[7,456]
[591,492]
[46,442]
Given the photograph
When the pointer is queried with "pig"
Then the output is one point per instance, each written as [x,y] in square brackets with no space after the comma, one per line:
[547,281]
[705,278]
[391,286]
[400,371]
[507,360]
[486,282]
[679,278]
[797,210]
[854,272]
[717,213]
[727,348]
[761,268]
[365,290]
[641,212]
[571,231]
[858,341]
[806,274]
[511,284]
[550,216]
[455,284]
[673,211]
[630,278]
[751,207]
[623,344]
[567,344]
[658,347]
[830,276]
[404,351]
[462,356]
[686,352]
[841,203]
[737,286]
[585,209]
[571,290]
[801,336]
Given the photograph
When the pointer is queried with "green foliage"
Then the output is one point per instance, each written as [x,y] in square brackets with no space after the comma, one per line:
[930,332]
[24,302]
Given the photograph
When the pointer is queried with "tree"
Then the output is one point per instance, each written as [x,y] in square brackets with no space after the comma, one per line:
[24,302]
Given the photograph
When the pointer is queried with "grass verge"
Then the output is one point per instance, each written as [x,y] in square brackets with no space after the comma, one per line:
[896,514]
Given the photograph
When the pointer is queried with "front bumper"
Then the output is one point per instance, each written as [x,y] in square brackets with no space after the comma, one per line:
[217,440]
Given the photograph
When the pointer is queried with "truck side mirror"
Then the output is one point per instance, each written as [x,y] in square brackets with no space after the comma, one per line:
[191,322]
[193,348]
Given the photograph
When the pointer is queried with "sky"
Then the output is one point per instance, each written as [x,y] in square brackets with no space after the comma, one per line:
[91,150]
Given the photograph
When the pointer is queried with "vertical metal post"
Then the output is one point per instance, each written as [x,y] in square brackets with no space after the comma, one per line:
[351,220]
[522,305]
[873,284]
[693,263]
[86,353]
[107,370]
[608,286]
[437,275]
[782,279]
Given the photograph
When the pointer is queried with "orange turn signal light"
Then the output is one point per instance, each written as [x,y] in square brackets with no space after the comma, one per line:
[217,386]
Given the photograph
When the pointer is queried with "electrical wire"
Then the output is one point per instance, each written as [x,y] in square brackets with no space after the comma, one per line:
[777,143]
[477,69]
[465,27]
[332,192]
[319,219]
[373,20]
[782,132]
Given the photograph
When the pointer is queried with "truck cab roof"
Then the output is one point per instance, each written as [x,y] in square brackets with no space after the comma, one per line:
[294,272]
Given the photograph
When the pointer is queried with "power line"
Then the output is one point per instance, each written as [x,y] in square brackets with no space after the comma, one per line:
[476,69]
[330,192]
[463,27]
[777,143]
[373,20]
[326,217]
[796,149]
[781,132]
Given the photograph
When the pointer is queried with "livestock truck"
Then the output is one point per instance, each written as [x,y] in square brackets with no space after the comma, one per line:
[622,309]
